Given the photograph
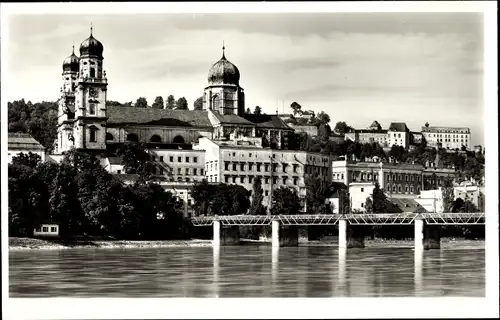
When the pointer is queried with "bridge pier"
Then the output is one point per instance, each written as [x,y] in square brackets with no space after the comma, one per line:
[426,237]
[284,237]
[350,237]
[225,235]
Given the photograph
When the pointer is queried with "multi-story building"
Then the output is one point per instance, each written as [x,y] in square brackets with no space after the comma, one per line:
[399,180]
[242,159]
[358,193]
[447,137]
[23,143]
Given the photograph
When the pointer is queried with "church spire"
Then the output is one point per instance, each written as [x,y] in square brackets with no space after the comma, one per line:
[223,50]
[91,28]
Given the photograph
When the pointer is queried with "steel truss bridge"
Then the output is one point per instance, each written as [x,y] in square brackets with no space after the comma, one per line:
[353,219]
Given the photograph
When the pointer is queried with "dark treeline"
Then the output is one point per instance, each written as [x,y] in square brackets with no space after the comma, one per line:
[84,199]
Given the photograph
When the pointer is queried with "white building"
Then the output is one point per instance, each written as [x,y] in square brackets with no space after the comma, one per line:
[431,200]
[358,193]
[447,137]
[23,143]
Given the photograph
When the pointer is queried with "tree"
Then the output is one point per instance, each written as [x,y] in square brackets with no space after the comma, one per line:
[285,202]
[397,152]
[201,193]
[181,104]
[324,132]
[296,108]
[448,196]
[27,159]
[257,110]
[323,117]
[248,111]
[379,201]
[141,103]
[198,104]
[170,102]
[342,127]
[135,159]
[256,207]
[158,103]
[315,194]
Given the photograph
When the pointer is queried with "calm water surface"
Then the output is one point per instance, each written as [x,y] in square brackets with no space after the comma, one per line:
[249,271]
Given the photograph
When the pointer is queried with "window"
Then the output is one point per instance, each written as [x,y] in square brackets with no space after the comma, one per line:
[295,180]
[109,136]
[171,159]
[119,171]
[91,108]
[179,170]
[295,168]
[226,178]
[234,179]
[93,135]
[155,139]
[195,159]
[92,72]
[242,167]
[399,188]
[201,171]
[275,180]
[242,179]
[187,171]
[179,159]
[234,167]
[266,167]
[284,180]
[178,140]
[132,137]
[234,154]
[187,159]
[250,179]
[362,189]
[250,155]
[161,171]
[195,171]
[362,205]
[258,167]
[153,158]
[250,166]
[266,193]
[266,180]
[45,229]
[53,229]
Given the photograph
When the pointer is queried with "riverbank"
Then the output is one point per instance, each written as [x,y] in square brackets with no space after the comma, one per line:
[21,244]
[18,244]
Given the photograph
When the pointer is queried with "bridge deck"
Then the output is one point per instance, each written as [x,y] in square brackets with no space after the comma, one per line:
[355,219]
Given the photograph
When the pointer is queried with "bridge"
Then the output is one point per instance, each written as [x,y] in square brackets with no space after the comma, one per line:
[285,233]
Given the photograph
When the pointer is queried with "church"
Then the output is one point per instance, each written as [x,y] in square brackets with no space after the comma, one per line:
[86,123]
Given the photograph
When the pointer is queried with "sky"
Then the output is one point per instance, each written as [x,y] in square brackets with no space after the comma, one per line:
[357,67]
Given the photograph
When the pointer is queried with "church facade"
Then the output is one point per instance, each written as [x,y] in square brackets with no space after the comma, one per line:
[86,123]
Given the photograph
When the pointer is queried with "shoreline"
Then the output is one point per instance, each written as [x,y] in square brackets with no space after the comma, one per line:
[26,244]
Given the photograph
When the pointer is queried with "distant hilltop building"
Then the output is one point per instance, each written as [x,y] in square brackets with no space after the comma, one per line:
[397,134]
[447,137]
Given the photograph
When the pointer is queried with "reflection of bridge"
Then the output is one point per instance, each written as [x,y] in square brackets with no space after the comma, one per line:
[425,237]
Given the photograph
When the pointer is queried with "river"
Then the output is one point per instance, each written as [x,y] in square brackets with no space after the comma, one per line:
[249,271]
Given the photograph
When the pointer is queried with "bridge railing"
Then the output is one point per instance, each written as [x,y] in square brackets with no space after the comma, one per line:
[355,219]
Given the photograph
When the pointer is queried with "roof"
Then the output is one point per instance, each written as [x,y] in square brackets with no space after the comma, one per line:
[267,121]
[115,160]
[231,119]
[23,141]
[398,126]
[407,205]
[153,116]
[382,131]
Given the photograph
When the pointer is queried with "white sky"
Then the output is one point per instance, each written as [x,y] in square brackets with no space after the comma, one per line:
[358,67]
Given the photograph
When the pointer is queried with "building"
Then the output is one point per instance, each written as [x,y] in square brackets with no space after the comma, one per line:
[220,143]
[241,159]
[431,200]
[399,180]
[310,129]
[447,137]
[358,193]
[87,123]
[470,192]
[397,134]
[23,143]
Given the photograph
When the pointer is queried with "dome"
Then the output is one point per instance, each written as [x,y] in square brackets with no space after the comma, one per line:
[71,63]
[91,46]
[223,72]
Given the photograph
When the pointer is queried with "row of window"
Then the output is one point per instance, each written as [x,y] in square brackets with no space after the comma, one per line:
[399,188]
[265,180]
[171,159]
[311,158]
[154,139]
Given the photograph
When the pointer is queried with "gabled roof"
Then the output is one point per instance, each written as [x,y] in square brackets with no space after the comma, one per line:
[406,205]
[23,141]
[267,121]
[153,116]
[398,126]
[232,119]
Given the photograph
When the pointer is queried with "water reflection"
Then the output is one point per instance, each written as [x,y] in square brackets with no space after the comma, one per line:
[248,271]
